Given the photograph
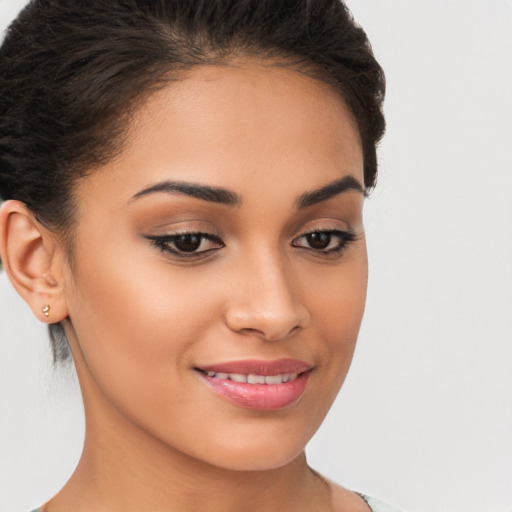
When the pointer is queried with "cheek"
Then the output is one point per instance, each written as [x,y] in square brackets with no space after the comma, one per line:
[136,329]
[336,301]
[337,297]
[138,340]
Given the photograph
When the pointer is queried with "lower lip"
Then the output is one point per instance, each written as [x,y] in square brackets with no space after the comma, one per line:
[261,397]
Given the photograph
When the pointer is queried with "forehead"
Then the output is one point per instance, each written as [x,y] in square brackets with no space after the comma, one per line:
[232,125]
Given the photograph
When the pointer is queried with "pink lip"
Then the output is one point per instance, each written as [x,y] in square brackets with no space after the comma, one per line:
[262,397]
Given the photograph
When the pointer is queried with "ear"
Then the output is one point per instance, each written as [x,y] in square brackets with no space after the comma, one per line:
[33,260]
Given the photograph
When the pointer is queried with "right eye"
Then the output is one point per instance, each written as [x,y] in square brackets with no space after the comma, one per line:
[187,245]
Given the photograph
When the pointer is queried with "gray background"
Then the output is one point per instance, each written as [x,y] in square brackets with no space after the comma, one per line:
[425,417]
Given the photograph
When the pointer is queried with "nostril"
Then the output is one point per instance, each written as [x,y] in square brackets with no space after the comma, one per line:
[269,307]
[272,328]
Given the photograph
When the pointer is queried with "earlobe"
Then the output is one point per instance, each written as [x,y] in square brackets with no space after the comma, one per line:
[28,252]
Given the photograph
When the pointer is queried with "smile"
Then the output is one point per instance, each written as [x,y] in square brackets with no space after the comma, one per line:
[255,379]
[259,385]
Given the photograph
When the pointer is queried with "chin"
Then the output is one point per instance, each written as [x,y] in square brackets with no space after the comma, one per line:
[257,459]
[258,448]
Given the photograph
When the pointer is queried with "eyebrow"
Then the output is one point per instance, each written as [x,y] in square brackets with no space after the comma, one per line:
[204,192]
[224,196]
[328,191]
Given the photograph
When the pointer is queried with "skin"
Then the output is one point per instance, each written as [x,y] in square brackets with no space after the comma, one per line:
[139,319]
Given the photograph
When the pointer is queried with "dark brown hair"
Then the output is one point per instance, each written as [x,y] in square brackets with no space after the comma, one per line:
[72,72]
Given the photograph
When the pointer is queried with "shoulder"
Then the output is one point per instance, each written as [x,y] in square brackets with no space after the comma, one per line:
[343,498]
[377,505]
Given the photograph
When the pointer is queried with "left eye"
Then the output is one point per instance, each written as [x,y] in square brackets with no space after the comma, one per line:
[187,244]
[325,242]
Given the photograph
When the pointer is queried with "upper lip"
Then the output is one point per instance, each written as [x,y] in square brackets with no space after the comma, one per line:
[259,367]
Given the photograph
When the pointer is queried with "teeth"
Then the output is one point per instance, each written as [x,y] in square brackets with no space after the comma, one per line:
[238,377]
[254,379]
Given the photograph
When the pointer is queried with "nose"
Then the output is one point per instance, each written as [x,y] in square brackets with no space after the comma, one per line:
[266,302]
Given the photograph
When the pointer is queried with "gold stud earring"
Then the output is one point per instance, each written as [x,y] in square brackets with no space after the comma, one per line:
[46,310]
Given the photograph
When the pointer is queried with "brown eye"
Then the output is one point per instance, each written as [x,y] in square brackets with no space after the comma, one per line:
[327,243]
[187,245]
[188,242]
[319,240]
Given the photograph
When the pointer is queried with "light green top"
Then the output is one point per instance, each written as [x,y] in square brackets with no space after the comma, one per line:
[378,506]
[375,505]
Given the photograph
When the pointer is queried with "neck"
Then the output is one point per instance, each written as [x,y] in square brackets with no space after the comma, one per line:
[116,475]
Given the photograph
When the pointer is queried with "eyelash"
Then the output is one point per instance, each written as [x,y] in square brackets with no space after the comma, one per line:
[344,238]
[167,243]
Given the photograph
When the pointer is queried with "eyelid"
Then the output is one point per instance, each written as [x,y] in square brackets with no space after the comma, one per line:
[172,227]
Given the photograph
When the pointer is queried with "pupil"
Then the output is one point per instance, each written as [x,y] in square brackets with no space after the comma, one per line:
[188,243]
[319,240]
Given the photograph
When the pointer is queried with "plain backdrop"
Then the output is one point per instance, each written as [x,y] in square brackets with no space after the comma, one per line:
[424,419]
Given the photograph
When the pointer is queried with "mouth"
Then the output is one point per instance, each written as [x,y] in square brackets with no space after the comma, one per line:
[254,378]
[259,385]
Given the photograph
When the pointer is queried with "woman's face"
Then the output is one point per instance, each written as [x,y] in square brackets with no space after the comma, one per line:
[220,267]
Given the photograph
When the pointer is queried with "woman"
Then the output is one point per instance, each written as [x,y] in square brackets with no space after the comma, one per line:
[184,185]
